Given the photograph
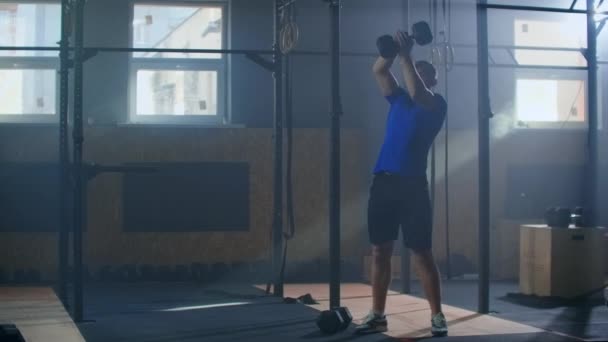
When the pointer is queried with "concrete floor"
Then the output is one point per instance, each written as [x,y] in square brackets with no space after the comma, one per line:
[222,312]
[586,319]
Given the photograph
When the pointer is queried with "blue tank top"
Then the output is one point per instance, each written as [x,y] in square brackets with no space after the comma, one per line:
[410,132]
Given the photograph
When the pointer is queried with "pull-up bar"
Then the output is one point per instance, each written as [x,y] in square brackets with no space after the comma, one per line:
[135,50]
[540,9]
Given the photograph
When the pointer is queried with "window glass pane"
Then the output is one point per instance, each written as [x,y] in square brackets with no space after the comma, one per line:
[602,38]
[177,27]
[568,32]
[27,91]
[29,25]
[177,92]
[550,100]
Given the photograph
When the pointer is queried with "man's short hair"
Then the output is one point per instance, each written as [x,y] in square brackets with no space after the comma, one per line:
[428,68]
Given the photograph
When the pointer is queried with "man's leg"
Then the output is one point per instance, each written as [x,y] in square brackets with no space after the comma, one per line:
[417,226]
[375,322]
[426,269]
[383,228]
[381,275]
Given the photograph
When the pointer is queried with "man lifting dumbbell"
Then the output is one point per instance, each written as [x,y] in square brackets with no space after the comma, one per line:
[399,195]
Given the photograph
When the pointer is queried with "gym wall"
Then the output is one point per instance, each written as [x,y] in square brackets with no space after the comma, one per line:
[109,242]
[108,141]
[515,152]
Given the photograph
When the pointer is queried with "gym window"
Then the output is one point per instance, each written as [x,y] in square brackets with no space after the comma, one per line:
[557,101]
[28,79]
[551,98]
[178,87]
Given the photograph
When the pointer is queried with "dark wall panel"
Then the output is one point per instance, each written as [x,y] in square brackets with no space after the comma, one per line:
[29,197]
[532,189]
[188,197]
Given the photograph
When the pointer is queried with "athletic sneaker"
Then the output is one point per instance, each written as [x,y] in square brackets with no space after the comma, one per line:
[372,324]
[439,327]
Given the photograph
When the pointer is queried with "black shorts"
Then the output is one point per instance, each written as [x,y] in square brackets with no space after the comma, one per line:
[398,201]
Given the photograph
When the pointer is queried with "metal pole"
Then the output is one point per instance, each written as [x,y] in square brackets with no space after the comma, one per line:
[63,238]
[163,50]
[484,158]
[270,52]
[334,156]
[132,50]
[592,80]
[405,252]
[537,9]
[446,73]
[78,137]
[433,19]
[156,50]
[406,287]
[277,224]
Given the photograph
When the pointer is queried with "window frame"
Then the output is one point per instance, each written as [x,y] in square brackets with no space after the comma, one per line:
[557,74]
[220,65]
[50,63]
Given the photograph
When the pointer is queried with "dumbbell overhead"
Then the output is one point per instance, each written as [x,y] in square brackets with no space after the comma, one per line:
[421,32]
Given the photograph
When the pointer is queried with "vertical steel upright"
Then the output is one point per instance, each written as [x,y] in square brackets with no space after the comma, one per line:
[405,252]
[433,185]
[485,114]
[447,53]
[591,191]
[64,172]
[277,221]
[77,170]
[334,156]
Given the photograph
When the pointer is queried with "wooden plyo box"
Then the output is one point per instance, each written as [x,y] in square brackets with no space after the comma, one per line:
[561,262]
